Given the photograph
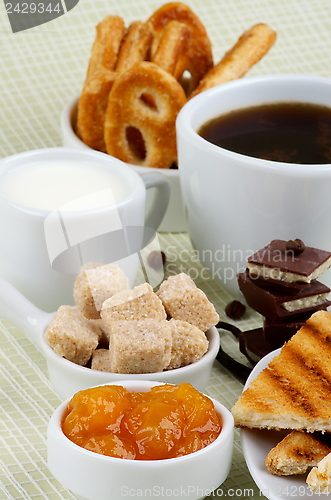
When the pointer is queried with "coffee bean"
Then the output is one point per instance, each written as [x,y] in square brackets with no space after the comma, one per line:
[156,259]
[235,309]
[296,246]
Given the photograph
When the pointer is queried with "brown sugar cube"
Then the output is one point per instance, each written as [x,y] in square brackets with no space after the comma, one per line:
[101,360]
[189,344]
[140,346]
[71,335]
[137,304]
[94,284]
[101,331]
[183,300]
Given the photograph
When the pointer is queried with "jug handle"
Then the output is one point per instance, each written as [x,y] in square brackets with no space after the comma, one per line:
[160,200]
[20,312]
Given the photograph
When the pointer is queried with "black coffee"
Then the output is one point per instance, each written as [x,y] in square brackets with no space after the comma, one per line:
[290,132]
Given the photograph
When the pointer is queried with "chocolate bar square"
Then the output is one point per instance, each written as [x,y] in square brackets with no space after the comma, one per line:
[292,288]
[278,306]
[253,345]
[283,269]
[280,332]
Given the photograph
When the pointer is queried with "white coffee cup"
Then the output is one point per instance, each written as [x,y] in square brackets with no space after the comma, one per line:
[60,208]
[236,204]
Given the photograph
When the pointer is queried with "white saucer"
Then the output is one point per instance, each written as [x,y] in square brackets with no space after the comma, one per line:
[256,446]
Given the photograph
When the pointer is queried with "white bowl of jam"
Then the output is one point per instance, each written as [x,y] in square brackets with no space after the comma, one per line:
[150,428]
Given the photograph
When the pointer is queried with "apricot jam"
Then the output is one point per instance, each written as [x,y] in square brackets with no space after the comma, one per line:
[167,422]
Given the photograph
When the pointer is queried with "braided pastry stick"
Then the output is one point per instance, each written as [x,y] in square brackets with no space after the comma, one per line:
[248,50]
[100,78]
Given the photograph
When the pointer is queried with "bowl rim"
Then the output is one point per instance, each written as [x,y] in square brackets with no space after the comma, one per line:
[70,110]
[208,357]
[17,160]
[54,426]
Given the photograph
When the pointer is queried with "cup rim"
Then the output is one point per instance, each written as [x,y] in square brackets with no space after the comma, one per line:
[67,130]
[134,386]
[19,159]
[189,111]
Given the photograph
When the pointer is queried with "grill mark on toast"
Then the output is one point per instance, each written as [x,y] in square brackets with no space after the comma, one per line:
[291,388]
[314,355]
[296,385]
[319,379]
[296,452]
[294,396]
[319,375]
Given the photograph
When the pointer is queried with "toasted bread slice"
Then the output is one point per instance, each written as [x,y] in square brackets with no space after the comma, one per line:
[319,478]
[294,390]
[298,452]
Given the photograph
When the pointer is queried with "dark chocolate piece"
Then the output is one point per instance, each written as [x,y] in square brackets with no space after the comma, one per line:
[280,286]
[279,333]
[253,345]
[269,303]
[275,255]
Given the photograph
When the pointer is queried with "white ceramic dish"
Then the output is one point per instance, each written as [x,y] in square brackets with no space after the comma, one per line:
[91,476]
[256,446]
[67,377]
[174,219]
[47,239]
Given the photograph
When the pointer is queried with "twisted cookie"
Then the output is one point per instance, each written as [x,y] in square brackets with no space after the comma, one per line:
[135,46]
[199,56]
[140,120]
[100,78]
[172,51]
[92,107]
[110,32]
